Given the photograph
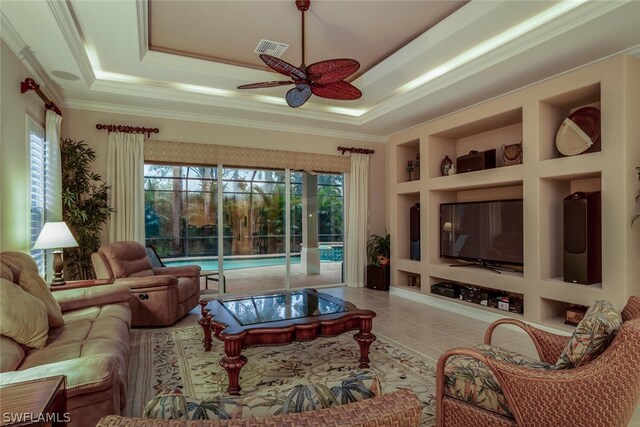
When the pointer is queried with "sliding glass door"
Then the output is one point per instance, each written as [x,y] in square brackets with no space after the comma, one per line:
[273,235]
[254,217]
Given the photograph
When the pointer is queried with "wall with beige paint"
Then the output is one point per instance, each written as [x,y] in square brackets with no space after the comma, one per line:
[81,125]
[14,151]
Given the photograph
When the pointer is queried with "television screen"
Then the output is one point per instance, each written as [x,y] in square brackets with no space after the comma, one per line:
[487,232]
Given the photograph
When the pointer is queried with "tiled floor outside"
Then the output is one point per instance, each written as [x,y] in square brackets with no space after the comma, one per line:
[261,279]
[422,328]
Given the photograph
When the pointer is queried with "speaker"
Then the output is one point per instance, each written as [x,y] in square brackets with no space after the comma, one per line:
[414,232]
[582,218]
[476,160]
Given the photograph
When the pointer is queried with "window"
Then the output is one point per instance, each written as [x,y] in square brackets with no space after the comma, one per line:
[180,210]
[38,172]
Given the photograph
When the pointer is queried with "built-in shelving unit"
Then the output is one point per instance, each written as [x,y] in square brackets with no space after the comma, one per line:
[532,116]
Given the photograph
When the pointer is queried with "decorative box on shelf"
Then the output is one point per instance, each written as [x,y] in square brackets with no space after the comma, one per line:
[574,314]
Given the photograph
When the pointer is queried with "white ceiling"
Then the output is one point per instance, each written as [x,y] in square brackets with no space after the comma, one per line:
[482,50]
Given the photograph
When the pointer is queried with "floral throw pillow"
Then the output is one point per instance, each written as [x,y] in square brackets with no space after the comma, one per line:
[592,336]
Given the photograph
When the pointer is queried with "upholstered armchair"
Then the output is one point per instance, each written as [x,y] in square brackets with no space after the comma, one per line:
[160,296]
[502,388]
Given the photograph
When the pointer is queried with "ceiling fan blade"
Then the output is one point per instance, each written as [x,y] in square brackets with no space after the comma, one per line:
[333,70]
[298,95]
[266,84]
[283,67]
[336,90]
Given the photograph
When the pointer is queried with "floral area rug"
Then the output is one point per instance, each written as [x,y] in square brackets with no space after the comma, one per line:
[174,358]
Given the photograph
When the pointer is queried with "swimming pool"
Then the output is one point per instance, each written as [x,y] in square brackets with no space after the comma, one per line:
[236,263]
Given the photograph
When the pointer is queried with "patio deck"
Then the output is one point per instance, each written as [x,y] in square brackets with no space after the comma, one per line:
[261,279]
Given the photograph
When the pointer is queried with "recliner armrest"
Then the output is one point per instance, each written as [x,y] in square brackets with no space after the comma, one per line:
[73,299]
[147,281]
[181,271]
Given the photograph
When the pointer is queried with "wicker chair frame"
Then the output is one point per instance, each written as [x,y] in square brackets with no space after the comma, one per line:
[602,392]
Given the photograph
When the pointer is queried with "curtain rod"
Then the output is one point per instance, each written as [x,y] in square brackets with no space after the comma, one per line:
[128,129]
[355,150]
[30,84]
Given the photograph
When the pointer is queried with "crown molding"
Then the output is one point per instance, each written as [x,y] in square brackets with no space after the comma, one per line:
[634,51]
[142,15]
[78,104]
[159,90]
[579,16]
[15,42]
[445,29]
[70,29]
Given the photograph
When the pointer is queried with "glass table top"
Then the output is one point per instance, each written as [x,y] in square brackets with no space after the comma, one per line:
[273,308]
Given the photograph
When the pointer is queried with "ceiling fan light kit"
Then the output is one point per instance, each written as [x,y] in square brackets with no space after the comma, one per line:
[324,79]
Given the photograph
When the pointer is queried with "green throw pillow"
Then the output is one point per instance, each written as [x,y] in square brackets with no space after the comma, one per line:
[592,336]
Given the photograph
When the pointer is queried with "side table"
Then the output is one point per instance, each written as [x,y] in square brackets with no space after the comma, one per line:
[75,284]
[41,402]
[212,275]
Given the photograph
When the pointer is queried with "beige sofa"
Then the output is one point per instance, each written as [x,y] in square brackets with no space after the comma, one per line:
[91,348]
[160,296]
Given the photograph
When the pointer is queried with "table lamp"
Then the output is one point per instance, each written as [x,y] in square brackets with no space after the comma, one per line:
[56,235]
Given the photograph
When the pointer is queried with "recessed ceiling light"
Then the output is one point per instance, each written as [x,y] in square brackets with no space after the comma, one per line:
[64,75]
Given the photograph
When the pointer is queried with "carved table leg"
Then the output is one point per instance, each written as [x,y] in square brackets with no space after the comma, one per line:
[205,322]
[232,362]
[203,307]
[364,339]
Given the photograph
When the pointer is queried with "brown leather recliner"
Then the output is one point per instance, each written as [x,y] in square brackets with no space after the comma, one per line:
[160,296]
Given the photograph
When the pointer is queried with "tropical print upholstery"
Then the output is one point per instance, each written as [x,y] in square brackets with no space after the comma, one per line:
[592,336]
[353,387]
[470,380]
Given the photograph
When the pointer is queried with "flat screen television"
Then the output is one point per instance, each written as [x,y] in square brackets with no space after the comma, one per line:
[485,233]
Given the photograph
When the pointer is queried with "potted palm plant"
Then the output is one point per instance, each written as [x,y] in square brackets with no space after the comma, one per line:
[379,251]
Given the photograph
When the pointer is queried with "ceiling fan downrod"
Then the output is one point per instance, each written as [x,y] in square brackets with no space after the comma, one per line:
[303,6]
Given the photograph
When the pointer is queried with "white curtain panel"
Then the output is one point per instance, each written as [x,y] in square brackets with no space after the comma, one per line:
[53,176]
[125,176]
[53,203]
[357,220]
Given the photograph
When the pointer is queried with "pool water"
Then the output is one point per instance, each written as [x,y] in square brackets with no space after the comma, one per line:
[236,263]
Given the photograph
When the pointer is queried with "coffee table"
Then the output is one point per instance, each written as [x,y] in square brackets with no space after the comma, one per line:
[279,319]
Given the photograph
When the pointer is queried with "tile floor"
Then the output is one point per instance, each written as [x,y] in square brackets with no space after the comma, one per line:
[425,329]
[262,279]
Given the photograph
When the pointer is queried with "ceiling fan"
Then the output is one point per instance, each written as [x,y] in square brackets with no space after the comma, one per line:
[324,79]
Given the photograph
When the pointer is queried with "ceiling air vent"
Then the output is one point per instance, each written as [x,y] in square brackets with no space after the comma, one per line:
[271,48]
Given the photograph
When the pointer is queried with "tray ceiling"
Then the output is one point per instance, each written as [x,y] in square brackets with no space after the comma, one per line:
[421,59]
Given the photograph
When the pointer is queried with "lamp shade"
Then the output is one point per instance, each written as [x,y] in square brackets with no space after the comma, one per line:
[55,235]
